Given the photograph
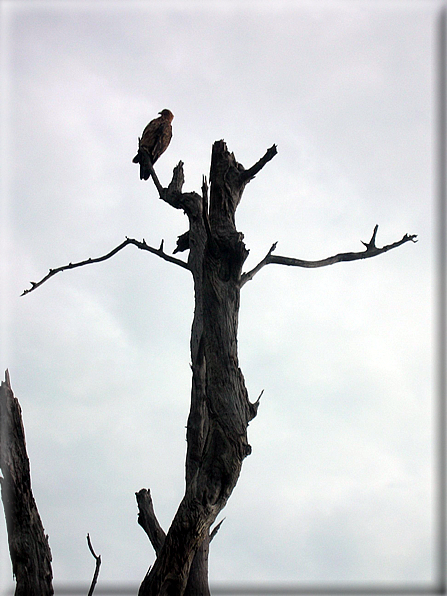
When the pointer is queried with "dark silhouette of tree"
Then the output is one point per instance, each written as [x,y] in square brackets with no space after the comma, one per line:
[28,545]
[220,408]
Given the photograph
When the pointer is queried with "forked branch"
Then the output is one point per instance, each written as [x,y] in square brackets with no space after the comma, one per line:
[371,251]
[97,566]
[139,244]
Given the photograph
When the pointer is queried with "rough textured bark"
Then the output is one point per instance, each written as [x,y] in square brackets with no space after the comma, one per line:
[220,408]
[28,545]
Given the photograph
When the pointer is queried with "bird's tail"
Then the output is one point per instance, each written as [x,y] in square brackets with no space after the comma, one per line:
[136,159]
[141,158]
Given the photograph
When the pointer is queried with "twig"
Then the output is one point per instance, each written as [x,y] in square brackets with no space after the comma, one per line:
[371,251]
[216,529]
[142,245]
[253,407]
[98,565]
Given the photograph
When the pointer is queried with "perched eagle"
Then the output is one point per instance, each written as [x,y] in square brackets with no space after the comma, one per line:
[154,141]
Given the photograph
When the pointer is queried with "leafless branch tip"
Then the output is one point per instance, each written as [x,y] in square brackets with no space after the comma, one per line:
[98,565]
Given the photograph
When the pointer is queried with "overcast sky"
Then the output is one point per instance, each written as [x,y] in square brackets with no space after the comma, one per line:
[341,484]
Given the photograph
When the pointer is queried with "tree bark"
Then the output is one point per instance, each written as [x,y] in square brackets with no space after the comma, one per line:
[220,408]
[28,545]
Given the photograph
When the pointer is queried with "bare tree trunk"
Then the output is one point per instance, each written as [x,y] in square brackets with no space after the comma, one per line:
[220,408]
[28,544]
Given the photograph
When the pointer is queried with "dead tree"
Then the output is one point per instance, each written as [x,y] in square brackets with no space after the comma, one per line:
[220,407]
[28,545]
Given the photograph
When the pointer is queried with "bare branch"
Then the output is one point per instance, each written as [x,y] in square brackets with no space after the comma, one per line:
[98,565]
[148,520]
[216,529]
[178,179]
[161,190]
[142,245]
[173,194]
[247,175]
[371,251]
[265,261]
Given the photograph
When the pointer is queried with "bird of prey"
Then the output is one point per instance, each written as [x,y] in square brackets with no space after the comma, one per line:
[154,141]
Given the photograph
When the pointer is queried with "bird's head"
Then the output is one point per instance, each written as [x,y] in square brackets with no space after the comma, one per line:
[167,115]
